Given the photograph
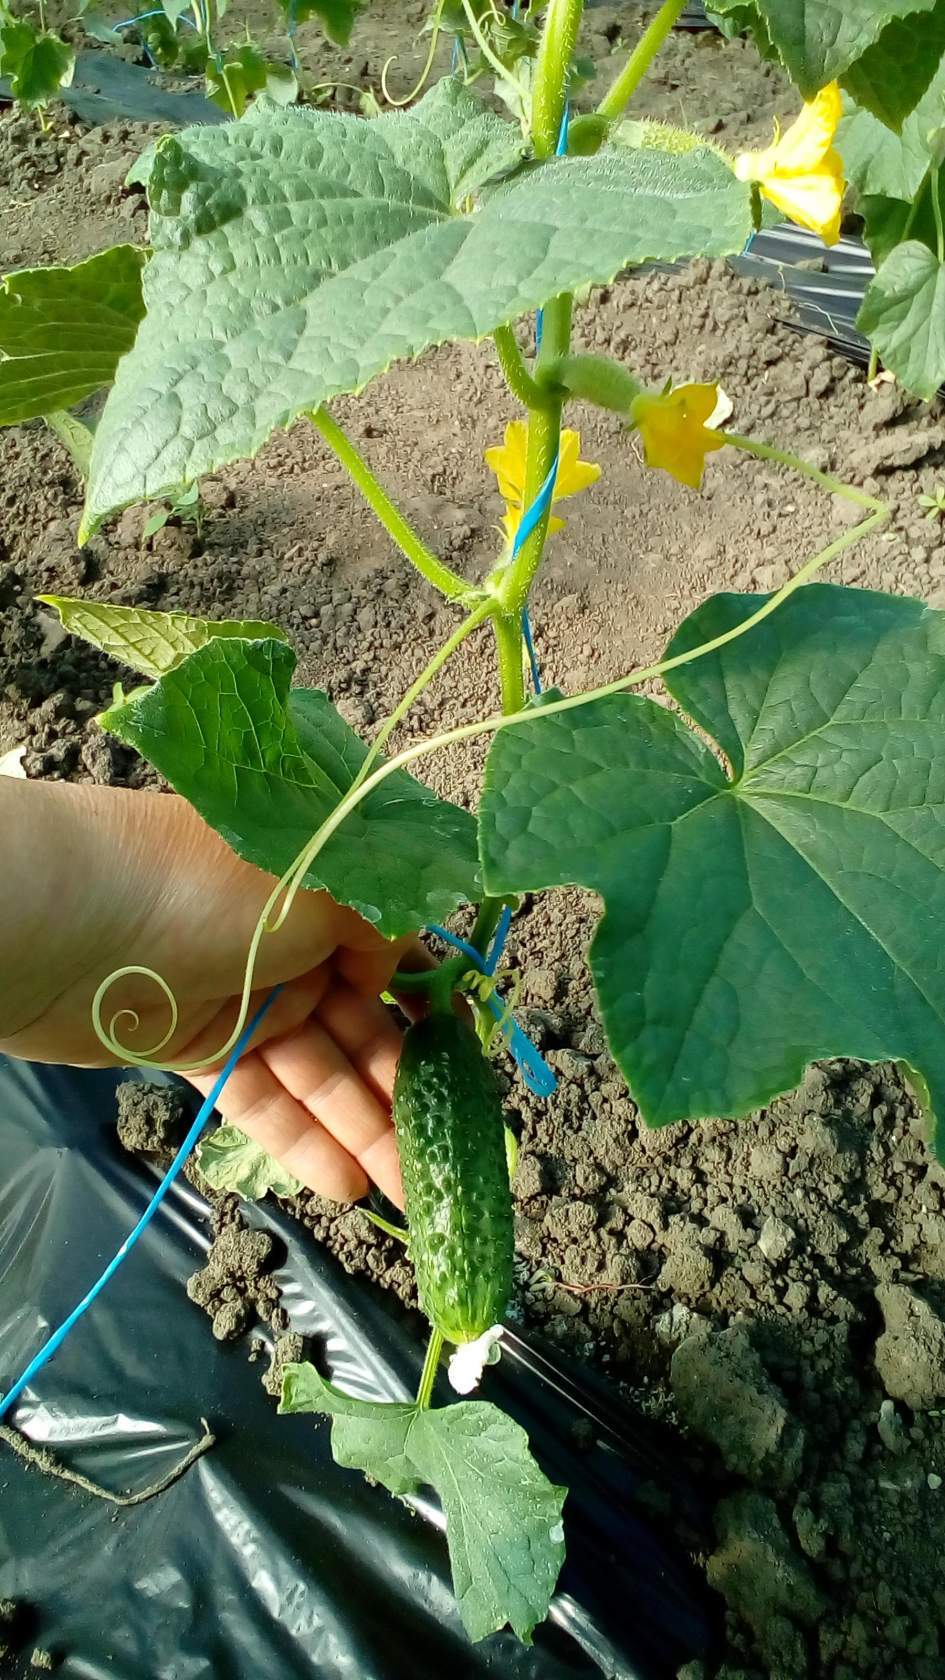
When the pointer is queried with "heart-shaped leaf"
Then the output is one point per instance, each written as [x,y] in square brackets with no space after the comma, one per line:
[266,766]
[753,922]
[819,39]
[503,1516]
[903,316]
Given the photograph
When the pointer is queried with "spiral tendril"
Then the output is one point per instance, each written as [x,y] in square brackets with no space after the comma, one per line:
[425,72]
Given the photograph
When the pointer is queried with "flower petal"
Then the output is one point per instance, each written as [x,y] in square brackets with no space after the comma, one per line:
[573,474]
[507,461]
[467,1363]
[808,140]
[675,436]
[814,200]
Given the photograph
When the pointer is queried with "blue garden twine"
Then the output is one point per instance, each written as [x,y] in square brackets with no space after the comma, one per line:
[532,1066]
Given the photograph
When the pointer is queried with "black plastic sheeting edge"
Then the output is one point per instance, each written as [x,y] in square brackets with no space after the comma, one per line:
[266,1558]
[824,283]
[827,295]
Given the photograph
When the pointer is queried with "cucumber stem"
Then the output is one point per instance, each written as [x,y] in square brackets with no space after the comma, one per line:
[430,1367]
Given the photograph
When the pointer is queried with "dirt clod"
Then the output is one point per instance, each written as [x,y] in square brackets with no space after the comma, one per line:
[288,1350]
[234,1287]
[910,1354]
[763,1577]
[152,1118]
[725,1396]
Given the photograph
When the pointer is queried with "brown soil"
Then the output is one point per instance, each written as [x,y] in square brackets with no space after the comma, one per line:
[777,1288]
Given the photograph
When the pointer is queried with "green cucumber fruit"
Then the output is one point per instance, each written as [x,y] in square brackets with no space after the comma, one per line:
[451,1137]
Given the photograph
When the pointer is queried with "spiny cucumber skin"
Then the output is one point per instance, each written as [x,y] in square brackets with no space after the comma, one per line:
[450,1133]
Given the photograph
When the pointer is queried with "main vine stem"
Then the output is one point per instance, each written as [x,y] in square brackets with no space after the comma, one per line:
[549,99]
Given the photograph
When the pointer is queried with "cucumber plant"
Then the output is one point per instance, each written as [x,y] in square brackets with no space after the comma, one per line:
[767,850]
[35,61]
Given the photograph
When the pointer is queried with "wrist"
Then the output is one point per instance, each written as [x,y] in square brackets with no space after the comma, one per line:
[68,887]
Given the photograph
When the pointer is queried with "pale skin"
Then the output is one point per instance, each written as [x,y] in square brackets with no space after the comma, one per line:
[94,878]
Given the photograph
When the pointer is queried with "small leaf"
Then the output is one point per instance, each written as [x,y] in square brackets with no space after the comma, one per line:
[384,250]
[266,767]
[155,523]
[76,438]
[753,923]
[151,642]
[818,39]
[162,40]
[892,76]
[282,84]
[99,29]
[63,331]
[903,316]
[232,80]
[229,1160]
[503,1516]
[742,17]
[37,65]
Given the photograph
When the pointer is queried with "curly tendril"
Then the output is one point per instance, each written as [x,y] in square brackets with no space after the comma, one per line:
[415,92]
[364,785]
[109,1036]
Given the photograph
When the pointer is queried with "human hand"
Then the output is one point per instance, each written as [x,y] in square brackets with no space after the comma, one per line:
[103,878]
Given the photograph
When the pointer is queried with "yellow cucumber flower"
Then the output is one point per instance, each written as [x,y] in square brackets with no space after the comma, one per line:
[801,173]
[507,461]
[673,427]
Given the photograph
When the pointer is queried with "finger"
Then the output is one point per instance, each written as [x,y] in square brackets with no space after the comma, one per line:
[318,1074]
[366,1032]
[296,1001]
[369,967]
[255,1100]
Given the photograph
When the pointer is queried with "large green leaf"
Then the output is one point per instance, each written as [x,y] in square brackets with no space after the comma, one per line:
[819,39]
[63,331]
[903,316]
[298,254]
[503,1516]
[150,642]
[876,161]
[887,221]
[893,75]
[752,924]
[265,767]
